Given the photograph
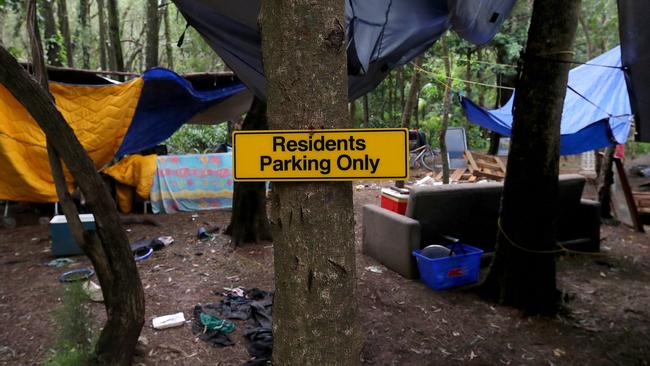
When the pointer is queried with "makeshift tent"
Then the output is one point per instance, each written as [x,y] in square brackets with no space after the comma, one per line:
[596,107]
[635,33]
[110,120]
[382,34]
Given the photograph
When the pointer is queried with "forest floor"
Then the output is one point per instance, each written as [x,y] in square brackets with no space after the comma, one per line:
[605,320]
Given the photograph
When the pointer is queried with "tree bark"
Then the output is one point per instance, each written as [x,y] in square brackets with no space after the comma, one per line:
[64,25]
[115,49]
[111,257]
[315,310]
[168,40]
[84,32]
[153,29]
[366,112]
[249,222]
[523,270]
[101,18]
[446,108]
[413,93]
[53,50]
[353,113]
[605,181]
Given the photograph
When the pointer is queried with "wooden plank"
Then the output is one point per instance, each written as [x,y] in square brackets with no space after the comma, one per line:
[470,161]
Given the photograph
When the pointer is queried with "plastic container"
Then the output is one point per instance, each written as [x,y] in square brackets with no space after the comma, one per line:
[168,321]
[394,201]
[63,244]
[462,268]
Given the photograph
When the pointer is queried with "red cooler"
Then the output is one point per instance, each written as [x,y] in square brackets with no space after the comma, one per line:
[394,201]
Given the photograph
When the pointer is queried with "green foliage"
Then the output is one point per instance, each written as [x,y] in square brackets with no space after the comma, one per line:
[196,139]
[75,335]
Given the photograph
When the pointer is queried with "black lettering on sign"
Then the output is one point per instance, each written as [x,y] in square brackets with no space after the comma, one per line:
[278,141]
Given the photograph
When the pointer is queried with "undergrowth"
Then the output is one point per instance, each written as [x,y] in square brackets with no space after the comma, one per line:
[74,345]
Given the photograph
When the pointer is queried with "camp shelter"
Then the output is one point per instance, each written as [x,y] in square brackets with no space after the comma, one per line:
[596,110]
[110,120]
[382,34]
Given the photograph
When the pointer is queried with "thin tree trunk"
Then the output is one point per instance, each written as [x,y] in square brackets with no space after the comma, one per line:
[479,77]
[413,93]
[446,108]
[168,40]
[101,18]
[401,85]
[605,181]
[107,247]
[315,309]
[353,113]
[391,98]
[115,49]
[153,29]
[468,74]
[84,32]
[523,270]
[64,25]
[503,96]
[585,30]
[249,222]
[53,50]
[366,112]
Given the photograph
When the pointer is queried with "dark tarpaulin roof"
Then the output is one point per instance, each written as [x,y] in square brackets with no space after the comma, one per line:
[383,34]
[635,52]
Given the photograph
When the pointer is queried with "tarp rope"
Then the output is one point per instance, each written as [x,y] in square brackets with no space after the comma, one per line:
[562,249]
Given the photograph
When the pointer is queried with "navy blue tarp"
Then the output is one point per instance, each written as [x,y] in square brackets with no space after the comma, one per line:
[600,116]
[382,34]
[167,102]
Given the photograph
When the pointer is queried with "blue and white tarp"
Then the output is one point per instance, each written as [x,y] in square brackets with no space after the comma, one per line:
[599,116]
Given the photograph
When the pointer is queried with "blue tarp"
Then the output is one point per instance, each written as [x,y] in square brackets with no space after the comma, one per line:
[382,34]
[600,116]
[167,102]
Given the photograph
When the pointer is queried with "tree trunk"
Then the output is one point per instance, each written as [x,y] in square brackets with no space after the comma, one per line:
[53,50]
[401,85]
[84,32]
[101,18]
[416,108]
[446,108]
[168,40]
[107,247]
[503,95]
[605,181]
[315,311]
[366,112]
[153,29]
[479,77]
[64,25]
[523,270]
[353,113]
[585,30]
[115,49]
[413,93]
[249,222]
[468,74]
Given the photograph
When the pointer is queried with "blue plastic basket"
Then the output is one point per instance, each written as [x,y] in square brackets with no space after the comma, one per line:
[459,269]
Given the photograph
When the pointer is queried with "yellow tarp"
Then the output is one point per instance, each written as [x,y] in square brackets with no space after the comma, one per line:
[99,116]
[135,171]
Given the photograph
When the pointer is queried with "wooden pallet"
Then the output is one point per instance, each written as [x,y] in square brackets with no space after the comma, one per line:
[462,175]
[485,166]
[642,200]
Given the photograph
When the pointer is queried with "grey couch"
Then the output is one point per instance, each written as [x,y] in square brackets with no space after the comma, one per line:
[468,212]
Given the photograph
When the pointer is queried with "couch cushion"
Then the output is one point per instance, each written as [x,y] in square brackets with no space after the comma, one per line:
[467,211]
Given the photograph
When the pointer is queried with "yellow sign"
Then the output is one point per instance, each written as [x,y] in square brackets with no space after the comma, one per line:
[314,155]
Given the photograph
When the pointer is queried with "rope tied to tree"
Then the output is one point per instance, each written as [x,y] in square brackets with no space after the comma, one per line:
[562,249]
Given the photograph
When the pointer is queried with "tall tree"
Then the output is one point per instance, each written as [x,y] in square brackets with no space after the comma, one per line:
[446,108]
[153,29]
[53,49]
[366,112]
[249,222]
[413,93]
[115,50]
[523,270]
[168,39]
[101,19]
[108,246]
[315,311]
[64,26]
[84,32]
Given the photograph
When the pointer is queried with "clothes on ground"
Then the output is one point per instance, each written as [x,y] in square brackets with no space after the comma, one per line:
[255,307]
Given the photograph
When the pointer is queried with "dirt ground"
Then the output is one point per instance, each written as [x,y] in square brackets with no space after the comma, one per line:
[606,320]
